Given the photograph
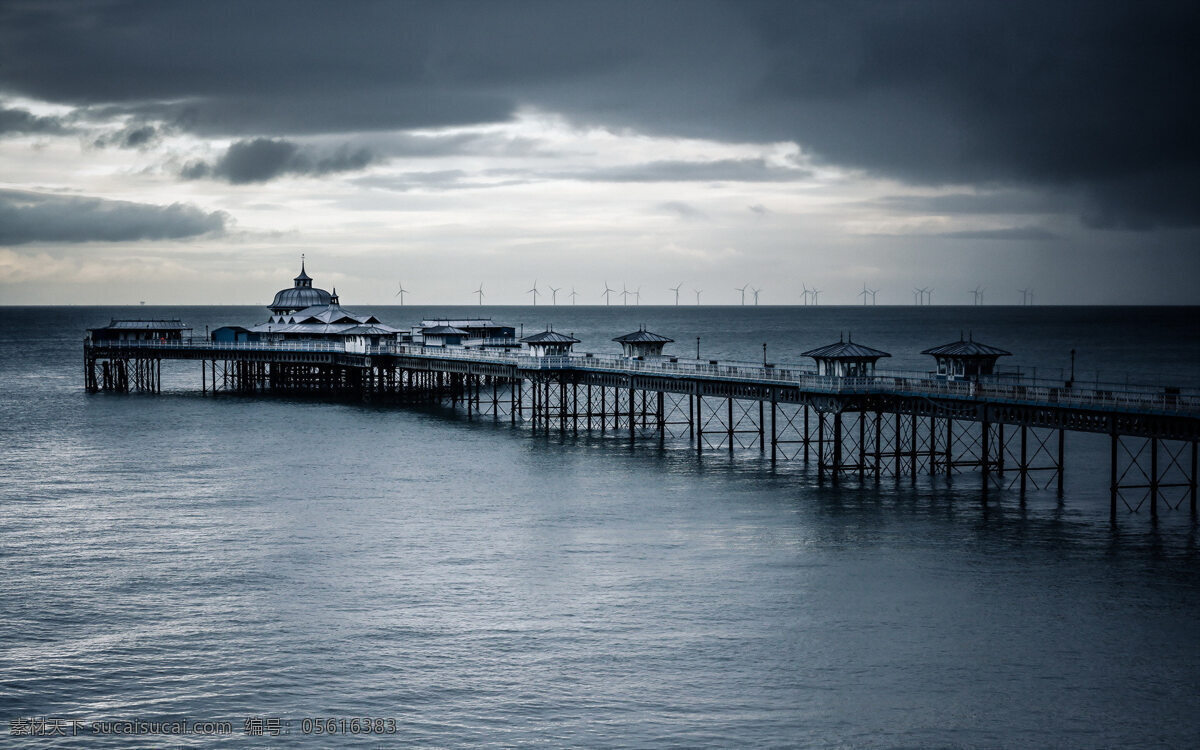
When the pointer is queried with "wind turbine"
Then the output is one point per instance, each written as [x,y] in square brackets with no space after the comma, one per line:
[742,289]
[918,296]
[1026,296]
[676,290]
[697,291]
[864,293]
[625,295]
[756,291]
[401,293]
[534,291]
[978,292]
[479,291]
[816,295]
[929,295]
[607,291]
[637,297]
[554,294]
[573,295]
[805,295]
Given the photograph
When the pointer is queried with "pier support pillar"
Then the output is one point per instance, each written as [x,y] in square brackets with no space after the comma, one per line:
[1154,477]
[1192,481]
[1024,465]
[1062,464]
[775,437]
[729,424]
[984,457]
[837,446]
[1112,476]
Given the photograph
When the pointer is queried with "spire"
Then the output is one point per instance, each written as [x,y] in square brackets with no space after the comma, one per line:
[303,280]
[333,298]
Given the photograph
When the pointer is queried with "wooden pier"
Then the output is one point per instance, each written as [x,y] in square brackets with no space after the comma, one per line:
[886,425]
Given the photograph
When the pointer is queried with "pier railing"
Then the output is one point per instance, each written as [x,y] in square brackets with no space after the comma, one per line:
[1003,389]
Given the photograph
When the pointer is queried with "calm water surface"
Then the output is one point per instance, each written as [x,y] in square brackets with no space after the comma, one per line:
[175,556]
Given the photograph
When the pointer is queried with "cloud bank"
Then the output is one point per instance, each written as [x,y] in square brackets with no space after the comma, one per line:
[40,217]
[264,159]
[1096,96]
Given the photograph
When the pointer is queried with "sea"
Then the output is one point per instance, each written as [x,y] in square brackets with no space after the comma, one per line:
[182,570]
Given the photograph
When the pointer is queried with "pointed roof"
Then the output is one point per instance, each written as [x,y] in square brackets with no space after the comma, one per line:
[303,276]
[642,337]
[845,350]
[445,331]
[966,350]
[549,337]
[370,330]
[331,313]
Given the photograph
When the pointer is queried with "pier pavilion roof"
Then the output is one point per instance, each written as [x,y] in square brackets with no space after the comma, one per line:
[144,325]
[328,314]
[549,337]
[369,330]
[643,337]
[967,350]
[322,321]
[126,330]
[845,350]
[846,359]
[445,330]
[301,295]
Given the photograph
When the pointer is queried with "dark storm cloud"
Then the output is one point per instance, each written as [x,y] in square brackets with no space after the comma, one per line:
[1095,96]
[39,217]
[133,136]
[264,159]
[17,121]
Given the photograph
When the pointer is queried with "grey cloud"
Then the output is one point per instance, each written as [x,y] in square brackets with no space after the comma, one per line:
[1000,202]
[40,217]
[23,121]
[133,136]
[1034,234]
[724,170]
[264,159]
[1092,97]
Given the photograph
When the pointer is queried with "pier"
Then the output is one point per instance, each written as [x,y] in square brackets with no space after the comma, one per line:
[863,427]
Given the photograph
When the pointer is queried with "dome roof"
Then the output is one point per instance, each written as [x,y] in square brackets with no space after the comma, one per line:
[300,296]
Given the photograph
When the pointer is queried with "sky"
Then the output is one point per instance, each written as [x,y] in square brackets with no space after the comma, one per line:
[191,153]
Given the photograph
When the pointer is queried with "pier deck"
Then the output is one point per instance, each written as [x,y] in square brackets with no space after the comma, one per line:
[886,424]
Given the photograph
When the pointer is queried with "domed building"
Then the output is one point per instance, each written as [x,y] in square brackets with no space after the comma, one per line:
[307,314]
[302,295]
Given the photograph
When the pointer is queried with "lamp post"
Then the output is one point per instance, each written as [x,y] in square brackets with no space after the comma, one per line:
[697,347]
[1071,382]
[764,353]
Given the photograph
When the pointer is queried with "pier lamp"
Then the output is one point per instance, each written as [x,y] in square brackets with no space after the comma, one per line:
[697,347]
[764,352]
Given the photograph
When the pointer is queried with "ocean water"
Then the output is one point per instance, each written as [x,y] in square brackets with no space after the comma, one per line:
[179,557]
